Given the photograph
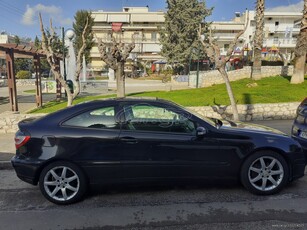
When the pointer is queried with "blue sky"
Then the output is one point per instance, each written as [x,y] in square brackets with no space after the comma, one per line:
[19,17]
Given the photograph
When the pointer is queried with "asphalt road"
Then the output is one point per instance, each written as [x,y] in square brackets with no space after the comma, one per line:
[199,207]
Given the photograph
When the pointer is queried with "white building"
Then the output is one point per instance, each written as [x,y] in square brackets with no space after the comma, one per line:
[135,22]
[280,31]
[5,38]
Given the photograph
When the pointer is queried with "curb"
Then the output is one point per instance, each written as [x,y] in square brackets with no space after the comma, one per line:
[6,165]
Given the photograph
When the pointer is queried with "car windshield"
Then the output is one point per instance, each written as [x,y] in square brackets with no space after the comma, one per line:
[212,121]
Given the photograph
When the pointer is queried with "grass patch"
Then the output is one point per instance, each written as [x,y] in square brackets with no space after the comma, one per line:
[53,106]
[268,90]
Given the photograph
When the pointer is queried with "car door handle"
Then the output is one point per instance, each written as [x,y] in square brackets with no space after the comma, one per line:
[129,140]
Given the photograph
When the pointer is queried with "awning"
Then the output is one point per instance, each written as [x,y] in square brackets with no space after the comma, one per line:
[274,49]
[117,26]
[160,62]
[264,51]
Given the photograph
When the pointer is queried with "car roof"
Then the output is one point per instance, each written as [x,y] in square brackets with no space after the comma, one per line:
[129,99]
[58,115]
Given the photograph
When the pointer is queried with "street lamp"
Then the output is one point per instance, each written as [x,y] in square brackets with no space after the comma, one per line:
[63,52]
[71,62]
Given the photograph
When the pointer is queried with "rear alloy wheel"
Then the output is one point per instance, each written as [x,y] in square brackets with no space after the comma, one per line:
[265,173]
[62,183]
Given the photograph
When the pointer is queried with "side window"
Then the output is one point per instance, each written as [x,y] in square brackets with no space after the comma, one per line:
[146,117]
[103,118]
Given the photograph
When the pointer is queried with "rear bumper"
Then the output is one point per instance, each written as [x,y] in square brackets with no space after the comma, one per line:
[26,171]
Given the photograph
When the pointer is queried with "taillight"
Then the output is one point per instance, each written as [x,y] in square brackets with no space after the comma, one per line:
[21,140]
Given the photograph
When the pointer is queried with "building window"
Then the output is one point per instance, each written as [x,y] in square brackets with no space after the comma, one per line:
[153,36]
[109,37]
[275,40]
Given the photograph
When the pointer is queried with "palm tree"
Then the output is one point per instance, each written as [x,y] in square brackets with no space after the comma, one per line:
[258,39]
[300,50]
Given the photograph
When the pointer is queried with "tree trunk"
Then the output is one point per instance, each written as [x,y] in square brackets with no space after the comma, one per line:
[300,50]
[70,98]
[230,93]
[258,40]
[299,70]
[120,79]
[256,69]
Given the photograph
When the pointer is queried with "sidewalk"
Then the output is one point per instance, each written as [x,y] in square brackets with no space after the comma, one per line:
[7,150]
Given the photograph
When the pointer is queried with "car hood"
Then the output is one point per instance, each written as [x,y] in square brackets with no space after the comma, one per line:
[250,127]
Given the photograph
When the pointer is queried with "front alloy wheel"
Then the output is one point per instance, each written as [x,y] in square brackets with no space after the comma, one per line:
[264,173]
[62,183]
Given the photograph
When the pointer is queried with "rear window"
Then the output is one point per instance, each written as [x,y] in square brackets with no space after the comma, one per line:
[102,118]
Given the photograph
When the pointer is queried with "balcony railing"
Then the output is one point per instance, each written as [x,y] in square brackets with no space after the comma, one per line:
[223,35]
[291,42]
[129,40]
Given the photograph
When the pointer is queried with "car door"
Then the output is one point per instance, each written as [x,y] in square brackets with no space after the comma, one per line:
[91,137]
[159,142]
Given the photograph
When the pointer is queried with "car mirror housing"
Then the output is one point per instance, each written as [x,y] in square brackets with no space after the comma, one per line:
[201,131]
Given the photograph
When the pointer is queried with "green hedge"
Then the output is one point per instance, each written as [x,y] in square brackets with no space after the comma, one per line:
[23,74]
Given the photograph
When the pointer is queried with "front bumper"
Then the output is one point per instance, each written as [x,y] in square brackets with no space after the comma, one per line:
[303,143]
[27,171]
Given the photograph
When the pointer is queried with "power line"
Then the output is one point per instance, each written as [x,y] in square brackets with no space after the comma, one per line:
[16,11]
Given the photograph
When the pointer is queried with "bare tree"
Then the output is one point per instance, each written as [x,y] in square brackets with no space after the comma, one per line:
[115,57]
[300,51]
[213,52]
[258,40]
[286,59]
[49,39]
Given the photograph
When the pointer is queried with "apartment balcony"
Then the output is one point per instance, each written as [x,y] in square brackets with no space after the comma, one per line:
[283,30]
[226,36]
[129,40]
[140,48]
[129,27]
[282,43]
[141,26]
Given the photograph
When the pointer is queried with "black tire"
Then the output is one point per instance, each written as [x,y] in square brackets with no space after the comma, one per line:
[264,173]
[62,183]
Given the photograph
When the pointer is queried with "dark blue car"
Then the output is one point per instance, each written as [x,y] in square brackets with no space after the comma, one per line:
[299,128]
[123,141]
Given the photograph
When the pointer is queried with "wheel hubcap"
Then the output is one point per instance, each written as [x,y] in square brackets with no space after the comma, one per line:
[266,173]
[61,183]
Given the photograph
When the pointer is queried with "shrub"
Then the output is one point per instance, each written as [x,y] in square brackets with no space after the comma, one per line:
[23,74]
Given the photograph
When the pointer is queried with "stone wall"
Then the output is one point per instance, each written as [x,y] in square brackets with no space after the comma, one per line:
[276,111]
[209,78]
[25,82]
[9,120]
[3,82]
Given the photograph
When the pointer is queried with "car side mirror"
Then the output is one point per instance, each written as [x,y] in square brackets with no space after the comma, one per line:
[201,131]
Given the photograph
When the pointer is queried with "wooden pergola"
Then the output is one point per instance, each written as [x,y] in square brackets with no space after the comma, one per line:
[11,51]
